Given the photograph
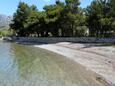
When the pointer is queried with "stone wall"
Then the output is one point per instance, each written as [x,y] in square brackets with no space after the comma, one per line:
[65,39]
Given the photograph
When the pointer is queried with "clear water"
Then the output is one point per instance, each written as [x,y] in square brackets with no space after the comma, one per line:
[22,65]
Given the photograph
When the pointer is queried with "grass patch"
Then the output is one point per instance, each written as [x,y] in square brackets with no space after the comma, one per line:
[5,32]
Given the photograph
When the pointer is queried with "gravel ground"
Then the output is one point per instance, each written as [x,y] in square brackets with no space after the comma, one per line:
[97,58]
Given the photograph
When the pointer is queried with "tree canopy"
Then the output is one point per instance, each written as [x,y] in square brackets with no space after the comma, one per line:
[65,19]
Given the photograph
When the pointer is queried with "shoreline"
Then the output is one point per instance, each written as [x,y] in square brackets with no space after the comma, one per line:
[64,67]
[86,59]
[83,60]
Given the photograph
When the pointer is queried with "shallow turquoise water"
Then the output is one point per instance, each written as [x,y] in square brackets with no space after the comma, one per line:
[22,65]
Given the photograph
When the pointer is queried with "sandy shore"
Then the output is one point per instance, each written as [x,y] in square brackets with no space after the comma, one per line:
[99,59]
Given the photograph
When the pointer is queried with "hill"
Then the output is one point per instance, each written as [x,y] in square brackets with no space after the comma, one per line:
[5,21]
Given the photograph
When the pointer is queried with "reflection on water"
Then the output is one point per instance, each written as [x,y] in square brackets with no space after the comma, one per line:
[8,66]
[27,66]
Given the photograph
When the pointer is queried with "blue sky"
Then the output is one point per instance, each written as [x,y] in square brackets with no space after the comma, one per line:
[8,7]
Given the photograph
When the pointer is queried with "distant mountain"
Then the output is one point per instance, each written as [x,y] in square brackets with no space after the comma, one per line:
[5,21]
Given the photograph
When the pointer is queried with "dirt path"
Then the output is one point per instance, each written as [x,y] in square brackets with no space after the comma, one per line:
[101,60]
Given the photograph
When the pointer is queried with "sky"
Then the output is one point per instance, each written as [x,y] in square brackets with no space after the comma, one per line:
[8,7]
